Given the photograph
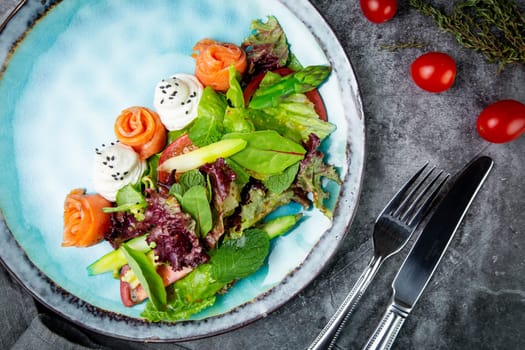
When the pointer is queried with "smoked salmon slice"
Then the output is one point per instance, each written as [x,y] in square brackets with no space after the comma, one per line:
[212,62]
[84,221]
[141,129]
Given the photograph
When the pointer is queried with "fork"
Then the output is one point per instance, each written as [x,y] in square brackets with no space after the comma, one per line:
[392,230]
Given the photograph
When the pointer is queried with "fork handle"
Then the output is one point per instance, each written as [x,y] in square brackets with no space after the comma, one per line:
[387,330]
[327,337]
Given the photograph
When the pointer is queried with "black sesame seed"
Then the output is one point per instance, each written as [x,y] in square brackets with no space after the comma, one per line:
[110,166]
[113,157]
[105,163]
[168,86]
[164,92]
[162,101]
[182,103]
[174,93]
[187,112]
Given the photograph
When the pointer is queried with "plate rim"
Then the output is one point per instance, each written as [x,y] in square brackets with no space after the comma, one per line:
[342,222]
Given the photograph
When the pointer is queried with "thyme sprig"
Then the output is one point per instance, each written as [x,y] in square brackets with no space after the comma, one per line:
[495,28]
[403,45]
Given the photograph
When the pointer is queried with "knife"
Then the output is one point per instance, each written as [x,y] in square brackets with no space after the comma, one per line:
[421,262]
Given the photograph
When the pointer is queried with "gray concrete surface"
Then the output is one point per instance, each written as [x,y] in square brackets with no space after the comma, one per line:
[476,299]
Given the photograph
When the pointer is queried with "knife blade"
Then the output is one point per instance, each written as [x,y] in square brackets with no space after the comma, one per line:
[424,257]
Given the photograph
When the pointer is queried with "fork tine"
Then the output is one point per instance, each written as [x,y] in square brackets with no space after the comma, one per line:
[408,201]
[418,194]
[418,215]
[397,200]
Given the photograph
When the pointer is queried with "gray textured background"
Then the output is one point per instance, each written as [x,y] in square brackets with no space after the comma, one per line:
[477,296]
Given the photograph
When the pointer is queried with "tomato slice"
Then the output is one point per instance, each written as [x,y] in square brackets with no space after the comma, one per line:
[312,95]
[125,289]
[179,146]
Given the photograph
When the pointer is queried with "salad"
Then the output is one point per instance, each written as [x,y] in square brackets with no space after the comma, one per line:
[184,193]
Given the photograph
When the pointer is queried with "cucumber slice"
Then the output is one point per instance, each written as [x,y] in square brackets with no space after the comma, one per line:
[115,259]
[203,155]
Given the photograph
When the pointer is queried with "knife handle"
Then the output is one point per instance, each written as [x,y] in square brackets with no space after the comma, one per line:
[387,330]
[327,337]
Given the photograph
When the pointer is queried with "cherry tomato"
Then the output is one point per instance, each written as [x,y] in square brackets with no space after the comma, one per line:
[434,71]
[312,95]
[502,121]
[180,145]
[125,289]
[378,11]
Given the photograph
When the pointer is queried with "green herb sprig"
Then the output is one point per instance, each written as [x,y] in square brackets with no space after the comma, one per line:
[495,28]
[403,45]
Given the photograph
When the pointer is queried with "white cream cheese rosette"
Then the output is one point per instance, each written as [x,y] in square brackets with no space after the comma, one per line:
[116,166]
[176,100]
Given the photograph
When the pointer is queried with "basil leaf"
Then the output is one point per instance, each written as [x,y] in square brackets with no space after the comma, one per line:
[147,275]
[266,152]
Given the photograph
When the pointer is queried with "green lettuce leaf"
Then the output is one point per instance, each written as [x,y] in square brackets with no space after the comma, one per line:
[233,260]
[294,118]
[207,128]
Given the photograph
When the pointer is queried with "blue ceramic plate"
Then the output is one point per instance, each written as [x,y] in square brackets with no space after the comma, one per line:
[66,77]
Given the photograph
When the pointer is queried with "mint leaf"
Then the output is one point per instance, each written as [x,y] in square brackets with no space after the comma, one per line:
[198,285]
[241,257]
[176,310]
[192,178]
[281,182]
